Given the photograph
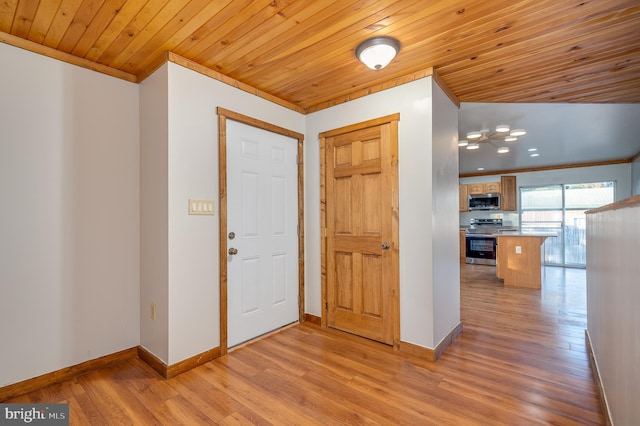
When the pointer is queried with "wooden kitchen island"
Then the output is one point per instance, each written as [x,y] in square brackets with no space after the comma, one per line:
[520,259]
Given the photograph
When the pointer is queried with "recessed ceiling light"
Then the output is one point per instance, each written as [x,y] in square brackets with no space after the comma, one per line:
[532,149]
[480,169]
[503,150]
[535,155]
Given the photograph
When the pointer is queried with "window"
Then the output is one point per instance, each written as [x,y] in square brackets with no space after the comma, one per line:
[559,209]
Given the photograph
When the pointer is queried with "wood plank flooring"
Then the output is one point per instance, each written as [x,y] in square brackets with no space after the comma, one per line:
[520,360]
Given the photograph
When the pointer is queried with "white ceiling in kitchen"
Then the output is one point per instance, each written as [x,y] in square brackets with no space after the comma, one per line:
[562,133]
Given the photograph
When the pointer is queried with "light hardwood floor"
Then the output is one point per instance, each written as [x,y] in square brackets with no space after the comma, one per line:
[520,360]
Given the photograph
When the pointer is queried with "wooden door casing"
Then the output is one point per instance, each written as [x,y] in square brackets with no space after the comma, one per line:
[361,289]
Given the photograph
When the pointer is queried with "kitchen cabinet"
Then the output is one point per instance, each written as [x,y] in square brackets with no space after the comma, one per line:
[492,188]
[484,188]
[463,246]
[509,197]
[464,198]
[475,188]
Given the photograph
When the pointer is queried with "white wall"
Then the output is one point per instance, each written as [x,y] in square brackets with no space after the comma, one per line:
[192,264]
[635,176]
[154,199]
[415,102]
[69,246]
[619,173]
[613,244]
[444,221]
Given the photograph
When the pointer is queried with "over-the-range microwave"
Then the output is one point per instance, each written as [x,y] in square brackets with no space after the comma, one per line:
[484,202]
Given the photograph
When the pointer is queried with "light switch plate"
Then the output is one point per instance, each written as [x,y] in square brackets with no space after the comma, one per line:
[200,207]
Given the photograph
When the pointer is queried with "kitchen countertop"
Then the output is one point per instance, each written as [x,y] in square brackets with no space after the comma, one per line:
[520,234]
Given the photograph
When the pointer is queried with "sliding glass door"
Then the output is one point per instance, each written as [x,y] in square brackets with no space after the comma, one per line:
[559,209]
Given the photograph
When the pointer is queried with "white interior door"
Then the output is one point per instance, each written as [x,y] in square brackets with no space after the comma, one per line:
[262,224]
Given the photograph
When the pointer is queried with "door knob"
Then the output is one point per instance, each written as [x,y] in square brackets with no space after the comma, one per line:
[385,246]
[233,251]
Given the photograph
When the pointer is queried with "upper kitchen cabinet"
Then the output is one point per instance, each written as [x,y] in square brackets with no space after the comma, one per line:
[492,188]
[464,198]
[484,188]
[509,195]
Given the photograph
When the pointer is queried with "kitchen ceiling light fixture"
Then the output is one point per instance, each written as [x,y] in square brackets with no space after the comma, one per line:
[376,53]
[502,133]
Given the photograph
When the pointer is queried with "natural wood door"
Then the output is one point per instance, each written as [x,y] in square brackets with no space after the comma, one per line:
[361,240]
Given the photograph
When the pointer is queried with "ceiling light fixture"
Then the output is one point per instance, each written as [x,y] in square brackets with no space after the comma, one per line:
[463,142]
[502,133]
[376,53]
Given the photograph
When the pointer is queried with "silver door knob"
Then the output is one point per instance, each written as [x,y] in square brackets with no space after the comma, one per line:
[233,251]
[385,246]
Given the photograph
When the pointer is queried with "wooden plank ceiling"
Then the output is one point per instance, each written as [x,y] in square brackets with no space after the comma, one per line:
[302,51]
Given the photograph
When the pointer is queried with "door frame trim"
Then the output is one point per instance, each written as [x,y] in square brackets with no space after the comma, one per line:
[223,116]
[395,240]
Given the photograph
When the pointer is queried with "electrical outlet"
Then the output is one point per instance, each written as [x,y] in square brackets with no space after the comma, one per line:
[518,249]
[153,311]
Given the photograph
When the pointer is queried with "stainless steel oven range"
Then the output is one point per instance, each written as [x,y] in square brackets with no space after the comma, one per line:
[481,241]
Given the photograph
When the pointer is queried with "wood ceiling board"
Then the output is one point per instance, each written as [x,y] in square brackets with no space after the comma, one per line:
[23,18]
[7,12]
[131,31]
[42,20]
[245,27]
[63,18]
[291,22]
[117,26]
[108,11]
[78,26]
[179,27]
[302,51]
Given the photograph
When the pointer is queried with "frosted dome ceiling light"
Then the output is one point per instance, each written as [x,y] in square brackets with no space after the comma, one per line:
[376,53]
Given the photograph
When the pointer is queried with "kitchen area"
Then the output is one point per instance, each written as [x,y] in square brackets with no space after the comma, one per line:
[491,236]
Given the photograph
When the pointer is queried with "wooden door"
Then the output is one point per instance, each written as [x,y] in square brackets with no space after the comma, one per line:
[262,223]
[361,221]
